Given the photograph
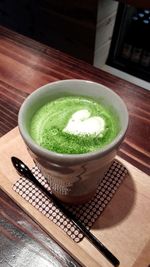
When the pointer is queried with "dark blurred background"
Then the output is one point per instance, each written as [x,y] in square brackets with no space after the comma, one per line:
[63,24]
[96,31]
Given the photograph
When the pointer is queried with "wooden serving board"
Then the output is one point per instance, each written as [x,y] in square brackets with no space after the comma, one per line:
[124,226]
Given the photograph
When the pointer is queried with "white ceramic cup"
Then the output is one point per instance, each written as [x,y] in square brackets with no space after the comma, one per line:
[73,178]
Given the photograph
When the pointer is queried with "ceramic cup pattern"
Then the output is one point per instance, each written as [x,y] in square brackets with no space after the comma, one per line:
[73,178]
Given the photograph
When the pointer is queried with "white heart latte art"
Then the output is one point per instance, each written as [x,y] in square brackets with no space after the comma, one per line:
[82,124]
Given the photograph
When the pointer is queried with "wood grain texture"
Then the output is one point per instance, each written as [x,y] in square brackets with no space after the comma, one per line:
[23,243]
[123,226]
[26,65]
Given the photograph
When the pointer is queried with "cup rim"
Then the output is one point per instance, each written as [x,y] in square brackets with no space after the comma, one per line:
[59,157]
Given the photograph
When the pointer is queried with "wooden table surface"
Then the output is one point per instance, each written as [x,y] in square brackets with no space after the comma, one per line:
[26,65]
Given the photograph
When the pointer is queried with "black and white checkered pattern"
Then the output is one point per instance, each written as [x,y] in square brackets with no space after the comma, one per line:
[87,213]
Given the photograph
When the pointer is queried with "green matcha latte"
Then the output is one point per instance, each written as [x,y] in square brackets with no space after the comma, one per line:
[74,125]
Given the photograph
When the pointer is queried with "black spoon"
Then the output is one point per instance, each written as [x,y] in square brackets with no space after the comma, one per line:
[24,171]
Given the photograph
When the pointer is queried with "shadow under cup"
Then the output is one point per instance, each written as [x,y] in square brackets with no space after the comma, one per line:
[73,178]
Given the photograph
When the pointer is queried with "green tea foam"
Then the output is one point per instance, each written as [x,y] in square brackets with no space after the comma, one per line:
[74,125]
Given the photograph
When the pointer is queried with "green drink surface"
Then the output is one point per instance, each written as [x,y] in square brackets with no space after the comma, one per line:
[51,123]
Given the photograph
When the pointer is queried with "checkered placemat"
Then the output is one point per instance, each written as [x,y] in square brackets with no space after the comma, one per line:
[87,213]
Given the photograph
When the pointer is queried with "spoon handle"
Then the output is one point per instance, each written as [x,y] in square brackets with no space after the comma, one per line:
[23,170]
